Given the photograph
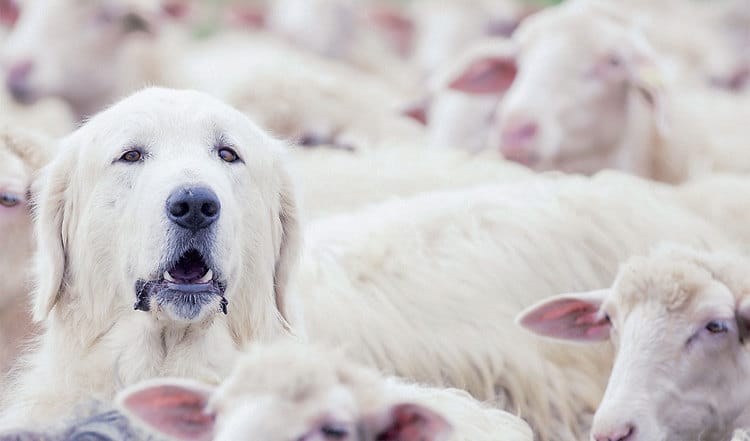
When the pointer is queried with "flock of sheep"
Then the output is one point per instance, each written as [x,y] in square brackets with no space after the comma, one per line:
[358,220]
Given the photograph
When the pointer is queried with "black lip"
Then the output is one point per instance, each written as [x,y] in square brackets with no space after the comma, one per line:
[188,299]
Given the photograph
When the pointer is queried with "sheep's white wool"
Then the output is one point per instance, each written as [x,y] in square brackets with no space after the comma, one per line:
[427,287]
[293,391]
[678,318]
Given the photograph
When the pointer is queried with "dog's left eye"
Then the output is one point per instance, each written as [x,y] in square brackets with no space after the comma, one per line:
[228,155]
[131,156]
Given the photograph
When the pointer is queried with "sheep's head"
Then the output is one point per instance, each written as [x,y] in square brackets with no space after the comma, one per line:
[75,50]
[285,392]
[567,93]
[678,319]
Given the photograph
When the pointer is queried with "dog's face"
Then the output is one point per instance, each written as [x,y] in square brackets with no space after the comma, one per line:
[170,203]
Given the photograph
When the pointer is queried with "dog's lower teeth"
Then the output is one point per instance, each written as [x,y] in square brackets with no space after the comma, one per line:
[207,278]
[168,277]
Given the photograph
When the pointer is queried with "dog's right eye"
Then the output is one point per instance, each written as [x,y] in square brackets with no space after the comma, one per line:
[131,156]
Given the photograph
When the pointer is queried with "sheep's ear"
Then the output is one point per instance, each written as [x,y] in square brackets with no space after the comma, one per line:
[417,111]
[407,422]
[290,239]
[8,12]
[488,75]
[397,28]
[170,407]
[647,77]
[568,316]
[51,234]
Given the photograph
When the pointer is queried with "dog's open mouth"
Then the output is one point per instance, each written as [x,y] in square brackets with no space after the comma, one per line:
[189,269]
[185,291]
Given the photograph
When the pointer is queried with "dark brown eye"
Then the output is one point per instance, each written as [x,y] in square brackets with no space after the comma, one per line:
[131,156]
[228,155]
[7,200]
[717,327]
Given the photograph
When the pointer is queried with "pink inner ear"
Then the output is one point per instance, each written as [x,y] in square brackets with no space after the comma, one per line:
[411,422]
[8,12]
[417,112]
[486,76]
[568,318]
[174,411]
[396,27]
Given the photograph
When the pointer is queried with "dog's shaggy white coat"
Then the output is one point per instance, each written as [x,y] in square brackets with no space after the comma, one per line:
[102,226]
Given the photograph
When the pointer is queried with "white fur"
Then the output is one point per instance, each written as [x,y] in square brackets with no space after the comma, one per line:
[22,154]
[287,91]
[283,391]
[102,225]
[427,287]
[661,311]
[334,181]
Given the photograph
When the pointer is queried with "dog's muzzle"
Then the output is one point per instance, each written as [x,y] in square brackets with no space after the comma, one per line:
[185,291]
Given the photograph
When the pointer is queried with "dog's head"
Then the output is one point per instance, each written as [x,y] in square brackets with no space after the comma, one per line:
[170,203]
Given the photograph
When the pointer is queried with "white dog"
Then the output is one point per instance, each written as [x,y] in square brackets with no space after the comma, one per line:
[166,235]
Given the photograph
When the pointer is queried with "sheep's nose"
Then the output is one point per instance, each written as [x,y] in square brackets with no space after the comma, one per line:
[625,433]
[17,81]
[193,208]
[519,133]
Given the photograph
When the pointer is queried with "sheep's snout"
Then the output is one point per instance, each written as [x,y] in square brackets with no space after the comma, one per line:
[623,432]
[17,80]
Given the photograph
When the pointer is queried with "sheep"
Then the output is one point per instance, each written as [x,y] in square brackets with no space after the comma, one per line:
[679,319]
[461,102]
[426,287]
[301,97]
[443,30]
[22,154]
[621,107]
[292,391]
[333,181]
[352,31]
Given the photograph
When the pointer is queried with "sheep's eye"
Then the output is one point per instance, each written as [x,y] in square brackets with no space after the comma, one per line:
[131,156]
[334,432]
[607,319]
[228,155]
[717,327]
[614,61]
[7,200]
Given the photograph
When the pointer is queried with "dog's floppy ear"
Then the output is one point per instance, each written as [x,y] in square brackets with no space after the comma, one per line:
[51,233]
[291,238]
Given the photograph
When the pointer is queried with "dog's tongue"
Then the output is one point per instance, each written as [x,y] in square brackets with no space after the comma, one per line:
[189,267]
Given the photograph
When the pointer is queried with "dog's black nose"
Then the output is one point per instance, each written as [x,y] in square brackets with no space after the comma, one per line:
[193,207]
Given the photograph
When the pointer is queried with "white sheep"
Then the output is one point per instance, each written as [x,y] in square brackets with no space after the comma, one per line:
[332,181]
[463,95]
[289,391]
[427,287]
[295,94]
[352,31]
[22,154]
[591,93]
[679,319]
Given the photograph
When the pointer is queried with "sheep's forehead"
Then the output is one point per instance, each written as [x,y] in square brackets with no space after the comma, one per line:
[671,286]
[582,30]
[13,170]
